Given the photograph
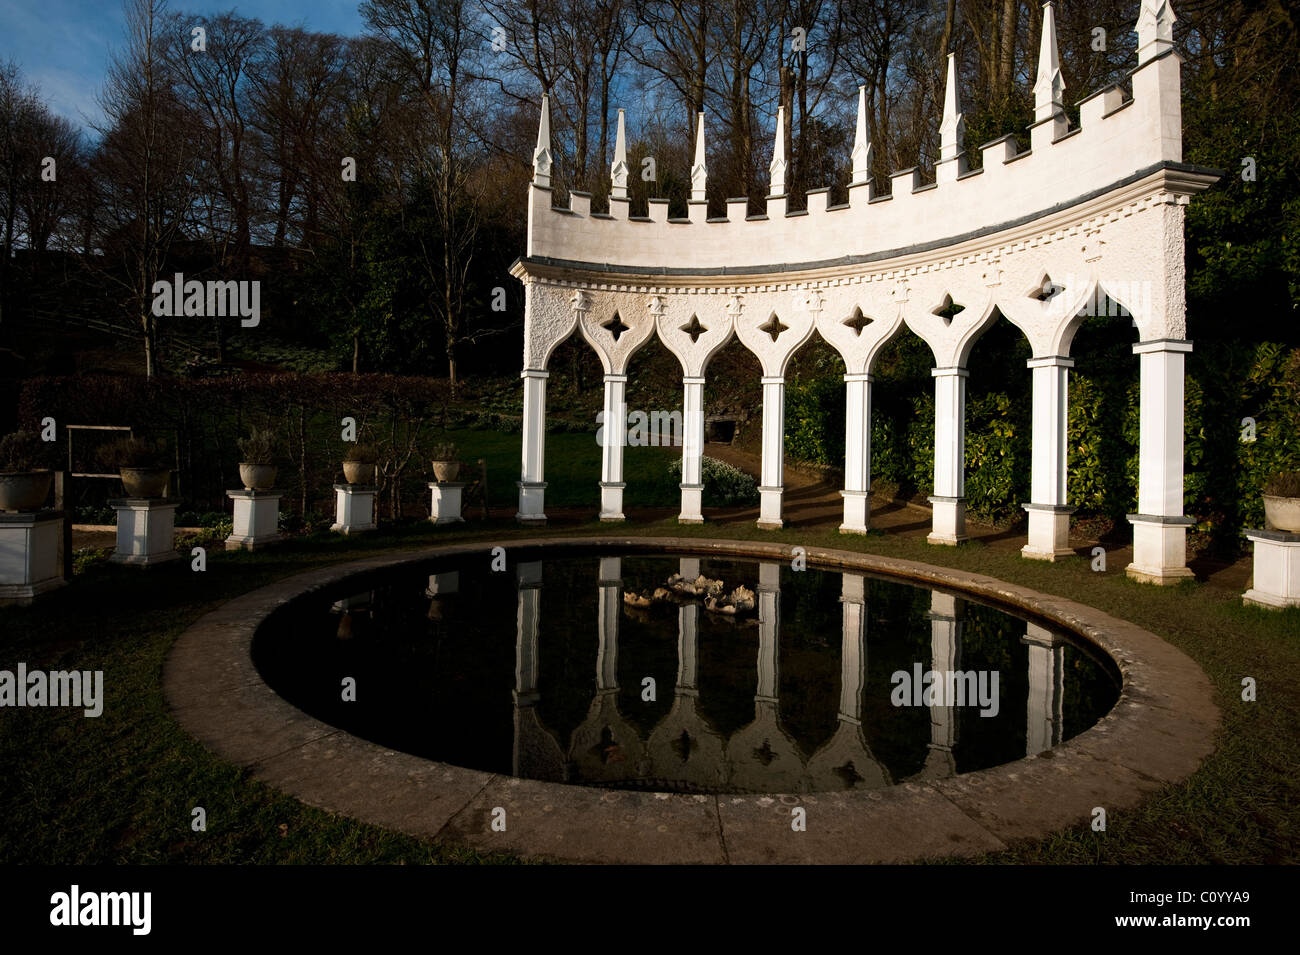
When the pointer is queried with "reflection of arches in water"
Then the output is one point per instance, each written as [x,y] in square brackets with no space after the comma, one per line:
[537,752]
[685,751]
[605,748]
[946,620]
[684,745]
[762,756]
[845,761]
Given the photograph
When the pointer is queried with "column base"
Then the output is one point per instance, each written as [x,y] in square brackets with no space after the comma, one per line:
[257,519]
[611,501]
[1159,549]
[1049,532]
[30,542]
[948,525]
[857,512]
[531,494]
[354,508]
[692,504]
[769,508]
[445,502]
[146,531]
[1275,581]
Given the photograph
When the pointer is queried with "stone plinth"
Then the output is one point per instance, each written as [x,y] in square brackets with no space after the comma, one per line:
[445,507]
[1276,582]
[354,508]
[146,531]
[29,555]
[257,519]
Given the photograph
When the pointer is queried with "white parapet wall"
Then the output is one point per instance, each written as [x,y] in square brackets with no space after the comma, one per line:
[1039,236]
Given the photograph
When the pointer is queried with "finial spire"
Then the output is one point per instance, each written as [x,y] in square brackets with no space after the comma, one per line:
[1050,88]
[542,154]
[1155,29]
[699,172]
[618,168]
[953,128]
[777,166]
[861,145]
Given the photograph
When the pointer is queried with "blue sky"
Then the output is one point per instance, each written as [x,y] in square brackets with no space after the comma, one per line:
[63,46]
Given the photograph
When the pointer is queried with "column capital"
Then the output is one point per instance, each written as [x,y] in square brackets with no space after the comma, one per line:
[616,379]
[535,373]
[1051,361]
[773,379]
[858,377]
[1162,345]
[693,381]
[952,372]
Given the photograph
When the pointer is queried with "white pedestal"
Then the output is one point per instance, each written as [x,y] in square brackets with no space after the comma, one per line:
[1276,582]
[354,508]
[948,520]
[146,531]
[1049,531]
[445,508]
[29,555]
[257,519]
[1159,549]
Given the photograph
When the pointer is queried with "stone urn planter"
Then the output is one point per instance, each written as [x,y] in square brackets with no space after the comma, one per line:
[1282,513]
[257,477]
[24,490]
[145,482]
[444,471]
[359,472]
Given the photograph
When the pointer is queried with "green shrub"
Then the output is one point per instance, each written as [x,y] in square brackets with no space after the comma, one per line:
[724,485]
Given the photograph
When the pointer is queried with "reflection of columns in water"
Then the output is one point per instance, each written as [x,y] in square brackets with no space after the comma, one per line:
[846,761]
[853,654]
[769,627]
[528,619]
[440,587]
[684,748]
[763,757]
[611,606]
[946,613]
[1043,720]
[604,747]
[537,754]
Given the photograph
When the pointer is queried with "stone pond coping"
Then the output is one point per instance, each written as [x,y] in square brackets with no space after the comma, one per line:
[1158,732]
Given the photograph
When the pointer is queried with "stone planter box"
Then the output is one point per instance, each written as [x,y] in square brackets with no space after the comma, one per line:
[446,504]
[257,519]
[30,562]
[146,531]
[354,508]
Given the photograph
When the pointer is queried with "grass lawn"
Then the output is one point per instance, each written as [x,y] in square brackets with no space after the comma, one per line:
[572,469]
[120,788]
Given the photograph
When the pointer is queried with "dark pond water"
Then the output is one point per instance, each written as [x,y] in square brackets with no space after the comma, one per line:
[831,681]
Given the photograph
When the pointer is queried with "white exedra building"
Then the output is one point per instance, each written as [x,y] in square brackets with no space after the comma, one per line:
[1088,211]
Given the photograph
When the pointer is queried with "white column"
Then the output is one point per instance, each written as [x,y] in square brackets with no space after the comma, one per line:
[1044,716]
[949,498]
[532,486]
[857,454]
[692,451]
[853,653]
[1049,514]
[769,508]
[1159,527]
[611,451]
